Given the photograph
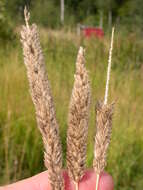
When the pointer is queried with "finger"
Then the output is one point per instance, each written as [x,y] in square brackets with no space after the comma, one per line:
[88,182]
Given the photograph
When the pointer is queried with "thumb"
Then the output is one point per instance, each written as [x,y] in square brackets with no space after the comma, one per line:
[37,182]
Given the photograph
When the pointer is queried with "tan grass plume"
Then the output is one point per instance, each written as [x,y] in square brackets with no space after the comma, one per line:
[78,121]
[104,114]
[43,102]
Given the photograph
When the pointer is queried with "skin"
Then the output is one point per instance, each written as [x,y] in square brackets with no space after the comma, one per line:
[40,182]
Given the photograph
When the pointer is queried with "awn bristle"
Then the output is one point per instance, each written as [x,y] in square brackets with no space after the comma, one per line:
[78,121]
[43,102]
[104,114]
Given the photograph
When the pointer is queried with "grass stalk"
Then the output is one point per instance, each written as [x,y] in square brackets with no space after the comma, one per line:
[76,186]
[97,181]
[109,68]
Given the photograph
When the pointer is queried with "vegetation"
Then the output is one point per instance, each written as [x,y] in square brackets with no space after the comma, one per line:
[21,149]
[125,13]
[5,26]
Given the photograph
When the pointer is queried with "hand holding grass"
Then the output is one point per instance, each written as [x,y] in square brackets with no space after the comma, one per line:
[40,182]
[77,120]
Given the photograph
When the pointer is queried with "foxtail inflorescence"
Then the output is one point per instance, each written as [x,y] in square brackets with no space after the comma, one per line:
[104,114]
[43,102]
[78,121]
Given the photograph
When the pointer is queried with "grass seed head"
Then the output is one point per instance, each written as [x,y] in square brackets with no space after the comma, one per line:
[78,120]
[43,102]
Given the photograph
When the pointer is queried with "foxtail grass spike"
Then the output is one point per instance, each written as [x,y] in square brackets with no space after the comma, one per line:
[104,114]
[103,135]
[78,121]
[43,102]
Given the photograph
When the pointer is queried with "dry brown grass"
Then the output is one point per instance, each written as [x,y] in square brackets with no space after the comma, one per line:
[78,113]
[78,121]
[104,114]
[104,127]
[43,102]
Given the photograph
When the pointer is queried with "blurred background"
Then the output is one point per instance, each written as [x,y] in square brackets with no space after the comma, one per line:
[64,25]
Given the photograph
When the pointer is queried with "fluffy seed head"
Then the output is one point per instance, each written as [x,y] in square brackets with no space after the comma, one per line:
[78,120]
[43,102]
[103,135]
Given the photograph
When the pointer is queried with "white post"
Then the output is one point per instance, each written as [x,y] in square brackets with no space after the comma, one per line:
[78,29]
[101,19]
[62,11]
[109,19]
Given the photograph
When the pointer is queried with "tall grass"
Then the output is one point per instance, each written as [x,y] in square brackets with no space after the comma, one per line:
[21,153]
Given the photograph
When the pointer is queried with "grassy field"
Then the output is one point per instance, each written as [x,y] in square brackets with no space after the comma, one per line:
[21,151]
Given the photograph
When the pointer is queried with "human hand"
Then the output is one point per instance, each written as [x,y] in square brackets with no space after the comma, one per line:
[40,182]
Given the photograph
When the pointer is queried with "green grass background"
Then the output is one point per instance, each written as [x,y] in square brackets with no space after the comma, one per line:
[21,150]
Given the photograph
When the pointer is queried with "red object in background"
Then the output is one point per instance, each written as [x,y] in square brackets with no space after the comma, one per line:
[92,31]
